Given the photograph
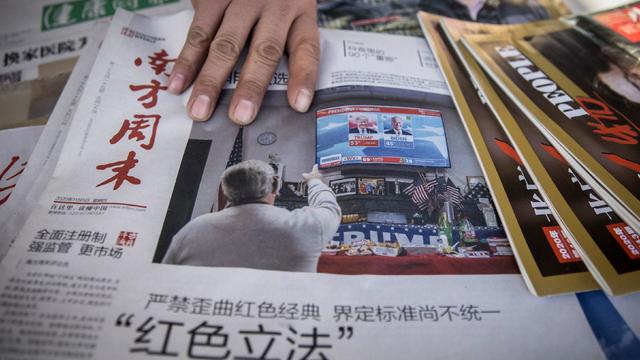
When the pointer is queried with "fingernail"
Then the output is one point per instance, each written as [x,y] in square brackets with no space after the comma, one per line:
[176,84]
[303,100]
[244,112]
[200,108]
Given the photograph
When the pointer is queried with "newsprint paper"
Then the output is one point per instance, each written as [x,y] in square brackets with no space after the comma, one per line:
[40,38]
[84,278]
[45,150]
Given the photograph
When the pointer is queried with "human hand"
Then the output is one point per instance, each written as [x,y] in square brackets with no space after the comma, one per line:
[313,174]
[216,38]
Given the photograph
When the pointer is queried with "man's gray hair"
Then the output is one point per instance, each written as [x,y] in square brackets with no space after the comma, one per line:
[247,181]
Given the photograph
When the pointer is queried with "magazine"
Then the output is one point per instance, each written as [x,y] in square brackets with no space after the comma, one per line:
[544,251]
[610,155]
[597,222]
[99,277]
[399,16]
[611,258]
[618,26]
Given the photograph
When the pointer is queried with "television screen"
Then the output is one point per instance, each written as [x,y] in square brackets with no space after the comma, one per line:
[374,134]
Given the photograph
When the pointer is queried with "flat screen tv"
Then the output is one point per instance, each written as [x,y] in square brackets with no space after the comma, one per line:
[380,135]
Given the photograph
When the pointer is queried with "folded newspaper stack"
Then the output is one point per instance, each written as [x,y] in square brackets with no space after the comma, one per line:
[119,169]
[552,110]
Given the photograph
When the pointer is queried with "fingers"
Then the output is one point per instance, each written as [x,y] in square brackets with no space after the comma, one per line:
[215,41]
[267,46]
[313,174]
[204,25]
[223,54]
[303,47]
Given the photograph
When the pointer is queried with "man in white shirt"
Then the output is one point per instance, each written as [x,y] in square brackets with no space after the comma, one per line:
[253,233]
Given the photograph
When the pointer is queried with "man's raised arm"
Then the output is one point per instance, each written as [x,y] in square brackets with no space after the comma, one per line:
[323,202]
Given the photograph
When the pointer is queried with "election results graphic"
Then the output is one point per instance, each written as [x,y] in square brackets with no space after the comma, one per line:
[364,134]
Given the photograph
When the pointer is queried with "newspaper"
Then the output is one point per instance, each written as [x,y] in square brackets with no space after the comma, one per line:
[605,162]
[44,157]
[43,38]
[546,255]
[116,302]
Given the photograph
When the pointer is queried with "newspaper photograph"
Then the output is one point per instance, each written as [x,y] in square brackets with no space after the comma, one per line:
[382,137]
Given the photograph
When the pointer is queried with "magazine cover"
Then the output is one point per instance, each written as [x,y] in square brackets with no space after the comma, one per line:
[586,216]
[601,117]
[89,248]
[618,26]
[549,263]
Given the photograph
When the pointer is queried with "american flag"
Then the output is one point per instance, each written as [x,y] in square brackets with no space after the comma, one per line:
[478,191]
[235,157]
[236,153]
[419,191]
[453,193]
[431,185]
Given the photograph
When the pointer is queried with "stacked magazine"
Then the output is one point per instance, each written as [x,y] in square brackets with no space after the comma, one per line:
[551,109]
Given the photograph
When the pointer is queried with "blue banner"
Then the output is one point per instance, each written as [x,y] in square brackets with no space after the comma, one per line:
[405,235]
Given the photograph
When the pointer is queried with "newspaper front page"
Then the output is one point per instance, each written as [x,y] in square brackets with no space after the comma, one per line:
[84,279]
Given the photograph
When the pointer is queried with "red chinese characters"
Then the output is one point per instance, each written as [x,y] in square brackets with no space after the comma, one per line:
[150,99]
[9,174]
[135,129]
[142,129]
[158,61]
[121,168]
